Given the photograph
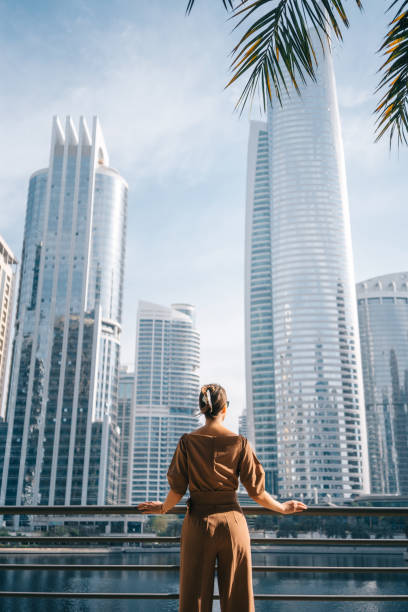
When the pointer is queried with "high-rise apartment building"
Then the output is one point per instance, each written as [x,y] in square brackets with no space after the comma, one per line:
[3,439]
[126,426]
[8,264]
[304,386]
[166,392]
[383,318]
[243,424]
[62,440]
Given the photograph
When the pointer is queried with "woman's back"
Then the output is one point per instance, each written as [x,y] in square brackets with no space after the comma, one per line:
[214,462]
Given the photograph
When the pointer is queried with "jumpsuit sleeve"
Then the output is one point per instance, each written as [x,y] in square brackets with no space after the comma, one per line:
[177,474]
[251,472]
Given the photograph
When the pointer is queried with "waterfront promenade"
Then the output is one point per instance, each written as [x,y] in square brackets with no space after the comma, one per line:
[313,569]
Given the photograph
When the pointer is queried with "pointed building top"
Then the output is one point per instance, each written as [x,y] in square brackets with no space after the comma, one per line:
[84,134]
[57,132]
[102,157]
[71,135]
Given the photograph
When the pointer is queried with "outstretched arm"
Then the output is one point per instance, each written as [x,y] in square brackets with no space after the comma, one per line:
[177,476]
[288,507]
[252,477]
[158,507]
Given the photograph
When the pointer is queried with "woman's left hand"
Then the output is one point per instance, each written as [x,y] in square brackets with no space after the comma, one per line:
[293,506]
[148,507]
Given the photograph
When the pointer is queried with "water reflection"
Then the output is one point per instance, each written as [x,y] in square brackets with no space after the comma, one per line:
[164,582]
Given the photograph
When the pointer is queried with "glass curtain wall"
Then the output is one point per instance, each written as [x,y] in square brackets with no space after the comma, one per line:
[304,384]
[166,392]
[383,318]
[64,379]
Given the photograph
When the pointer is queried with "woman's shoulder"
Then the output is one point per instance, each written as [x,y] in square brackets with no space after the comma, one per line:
[201,438]
[201,431]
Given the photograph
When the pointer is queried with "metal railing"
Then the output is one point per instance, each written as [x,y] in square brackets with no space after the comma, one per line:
[128,511]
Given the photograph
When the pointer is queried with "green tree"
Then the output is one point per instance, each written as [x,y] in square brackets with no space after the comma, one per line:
[174,527]
[277,45]
[157,524]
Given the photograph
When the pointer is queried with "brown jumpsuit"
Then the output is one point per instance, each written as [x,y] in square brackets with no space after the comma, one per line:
[215,526]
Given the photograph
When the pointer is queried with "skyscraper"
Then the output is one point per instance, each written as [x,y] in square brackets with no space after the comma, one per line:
[259,349]
[304,388]
[166,392]
[126,425]
[8,264]
[62,434]
[3,439]
[383,318]
[242,424]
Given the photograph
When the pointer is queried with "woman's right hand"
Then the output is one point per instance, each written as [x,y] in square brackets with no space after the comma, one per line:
[293,506]
[149,507]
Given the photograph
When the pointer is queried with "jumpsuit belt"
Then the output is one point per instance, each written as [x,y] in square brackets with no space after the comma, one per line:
[211,502]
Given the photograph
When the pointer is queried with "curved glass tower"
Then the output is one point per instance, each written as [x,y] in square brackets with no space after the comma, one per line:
[304,388]
[62,434]
[383,318]
[166,392]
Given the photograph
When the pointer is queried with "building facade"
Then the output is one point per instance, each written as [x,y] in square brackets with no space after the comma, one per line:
[166,392]
[259,348]
[8,266]
[303,371]
[383,317]
[62,433]
[126,426]
[243,424]
[3,439]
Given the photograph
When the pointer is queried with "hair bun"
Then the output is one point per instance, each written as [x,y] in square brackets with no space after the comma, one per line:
[212,400]
[209,402]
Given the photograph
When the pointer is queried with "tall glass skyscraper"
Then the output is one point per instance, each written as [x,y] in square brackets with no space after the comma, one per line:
[126,425]
[304,387]
[8,268]
[62,440]
[166,392]
[383,317]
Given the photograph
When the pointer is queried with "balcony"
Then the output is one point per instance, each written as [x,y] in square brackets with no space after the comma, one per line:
[129,540]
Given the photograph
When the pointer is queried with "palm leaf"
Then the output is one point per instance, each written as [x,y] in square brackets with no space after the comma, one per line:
[392,111]
[282,38]
[228,4]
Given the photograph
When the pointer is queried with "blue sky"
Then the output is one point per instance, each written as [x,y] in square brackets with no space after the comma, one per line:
[156,80]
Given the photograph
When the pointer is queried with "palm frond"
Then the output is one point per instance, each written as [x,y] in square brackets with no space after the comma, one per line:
[392,111]
[281,38]
[228,4]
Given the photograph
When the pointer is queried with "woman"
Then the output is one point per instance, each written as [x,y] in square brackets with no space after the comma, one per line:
[209,461]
